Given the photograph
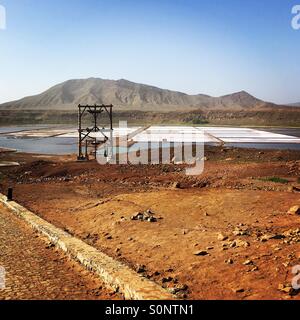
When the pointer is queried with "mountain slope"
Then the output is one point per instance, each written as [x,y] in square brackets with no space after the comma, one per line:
[124,94]
[297,104]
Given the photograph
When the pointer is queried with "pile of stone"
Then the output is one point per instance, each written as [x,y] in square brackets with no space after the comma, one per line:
[288,289]
[289,237]
[294,210]
[241,231]
[293,167]
[292,236]
[237,243]
[147,215]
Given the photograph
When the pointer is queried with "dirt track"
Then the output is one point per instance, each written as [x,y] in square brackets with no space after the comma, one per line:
[233,197]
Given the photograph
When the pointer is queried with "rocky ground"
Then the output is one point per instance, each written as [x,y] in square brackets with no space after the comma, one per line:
[226,234]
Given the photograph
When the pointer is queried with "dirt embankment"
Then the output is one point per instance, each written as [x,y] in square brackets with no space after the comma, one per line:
[289,117]
[225,234]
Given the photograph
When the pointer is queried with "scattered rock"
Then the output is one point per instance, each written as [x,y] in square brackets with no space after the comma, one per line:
[247,262]
[287,288]
[201,253]
[144,216]
[179,289]
[239,290]
[236,244]
[241,232]
[294,210]
[168,279]
[241,243]
[176,185]
[50,245]
[199,184]
[140,268]
[292,236]
[267,237]
[222,237]
[293,189]
[229,261]
[254,269]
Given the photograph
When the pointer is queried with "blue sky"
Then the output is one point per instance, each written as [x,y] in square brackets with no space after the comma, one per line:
[213,47]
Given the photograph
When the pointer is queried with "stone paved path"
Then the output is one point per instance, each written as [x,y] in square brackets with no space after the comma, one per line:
[34,270]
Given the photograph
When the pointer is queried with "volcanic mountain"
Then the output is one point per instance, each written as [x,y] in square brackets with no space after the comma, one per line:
[127,95]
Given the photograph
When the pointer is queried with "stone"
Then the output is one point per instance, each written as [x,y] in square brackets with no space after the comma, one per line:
[50,245]
[241,243]
[293,189]
[201,253]
[240,232]
[286,289]
[294,210]
[229,261]
[152,219]
[179,289]
[144,216]
[140,268]
[222,237]
[254,269]
[168,279]
[239,290]
[268,237]
[247,262]
[176,185]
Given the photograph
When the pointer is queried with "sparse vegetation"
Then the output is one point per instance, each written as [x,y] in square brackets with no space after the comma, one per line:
[275,179]
[195,119]
[199,121]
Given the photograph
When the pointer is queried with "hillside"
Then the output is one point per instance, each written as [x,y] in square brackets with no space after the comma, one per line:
[297,104]
[128,95]
[139,104]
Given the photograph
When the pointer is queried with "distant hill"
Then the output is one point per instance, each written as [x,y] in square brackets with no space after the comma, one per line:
[127,95]
[297,104]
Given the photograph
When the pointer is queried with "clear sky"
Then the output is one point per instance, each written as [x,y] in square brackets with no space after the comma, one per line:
[213,47]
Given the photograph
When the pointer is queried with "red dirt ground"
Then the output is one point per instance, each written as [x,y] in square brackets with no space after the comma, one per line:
[233,197]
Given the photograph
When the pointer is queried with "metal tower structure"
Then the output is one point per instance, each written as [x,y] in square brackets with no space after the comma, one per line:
[89,137]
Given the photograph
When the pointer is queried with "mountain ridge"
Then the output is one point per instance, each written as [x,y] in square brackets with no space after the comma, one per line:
[124,94]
